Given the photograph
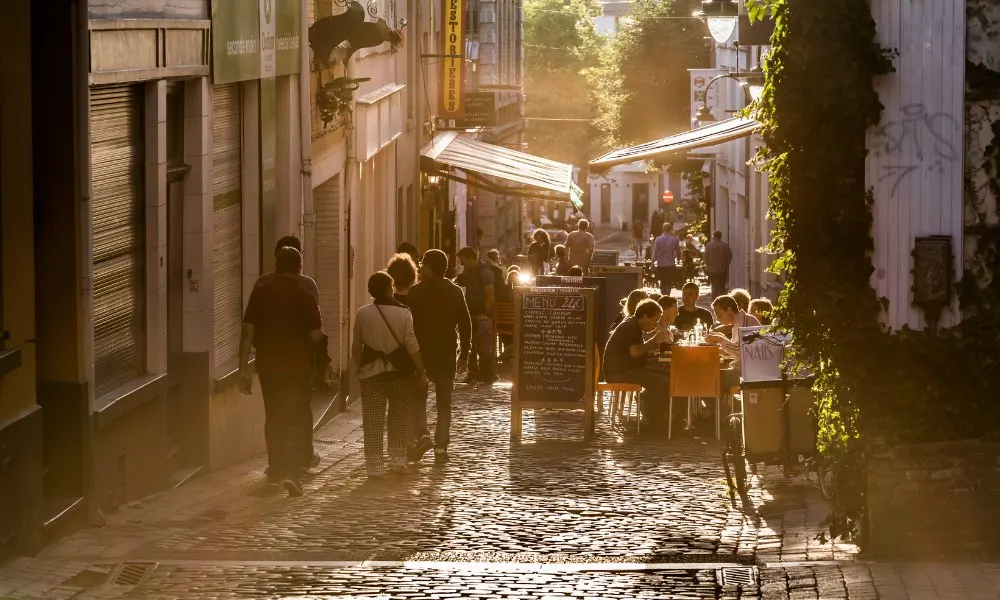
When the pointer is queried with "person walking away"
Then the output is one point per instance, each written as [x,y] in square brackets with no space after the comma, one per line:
[626,354]
[282,322]
[403,271]
[538,252]
[656,222]
[442,325]
[666,254]
[385,355]
[690,313]
[580,246]
[637,231]
[718,255]
[562,264]
[477,279]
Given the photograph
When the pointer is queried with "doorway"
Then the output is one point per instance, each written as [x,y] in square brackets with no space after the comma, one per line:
[640,202]
[605,203]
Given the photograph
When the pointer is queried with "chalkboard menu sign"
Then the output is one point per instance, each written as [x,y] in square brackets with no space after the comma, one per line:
[607,258]
[553,352]
[601,320]
[620,282]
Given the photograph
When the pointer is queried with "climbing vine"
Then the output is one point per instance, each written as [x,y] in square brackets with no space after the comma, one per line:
[872,385]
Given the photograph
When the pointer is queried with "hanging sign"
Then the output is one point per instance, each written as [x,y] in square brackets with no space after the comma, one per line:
[453,68]
[700,94]
[254,39]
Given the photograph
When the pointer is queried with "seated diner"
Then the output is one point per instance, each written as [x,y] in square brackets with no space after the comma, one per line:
[730,314]
[626,359]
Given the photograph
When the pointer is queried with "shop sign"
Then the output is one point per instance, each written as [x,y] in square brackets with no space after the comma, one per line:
[453,69]
[480,109]
[699,85]
[254,39]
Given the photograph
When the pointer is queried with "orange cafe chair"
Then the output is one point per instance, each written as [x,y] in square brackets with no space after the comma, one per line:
[694,373]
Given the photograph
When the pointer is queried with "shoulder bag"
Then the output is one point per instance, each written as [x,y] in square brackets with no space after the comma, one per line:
[399,358]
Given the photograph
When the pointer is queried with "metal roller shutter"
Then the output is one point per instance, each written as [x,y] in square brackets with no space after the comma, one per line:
[326,199]
[227,175]
[118,181]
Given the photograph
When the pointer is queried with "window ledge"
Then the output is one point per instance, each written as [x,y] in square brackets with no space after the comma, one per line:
[10,360]
[128,398]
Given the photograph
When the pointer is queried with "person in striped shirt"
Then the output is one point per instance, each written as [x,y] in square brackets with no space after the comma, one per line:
[718,255]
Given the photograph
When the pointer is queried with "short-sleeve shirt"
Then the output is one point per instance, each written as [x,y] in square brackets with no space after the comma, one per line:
[475,281]
[617,358]
[577,245]
[283,314]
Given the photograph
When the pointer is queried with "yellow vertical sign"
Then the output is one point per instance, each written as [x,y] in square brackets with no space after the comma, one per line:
[453,71]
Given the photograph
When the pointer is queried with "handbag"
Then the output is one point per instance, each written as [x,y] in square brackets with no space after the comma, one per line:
[399,358]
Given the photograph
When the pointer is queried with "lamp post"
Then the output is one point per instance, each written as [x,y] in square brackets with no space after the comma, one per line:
[721,16]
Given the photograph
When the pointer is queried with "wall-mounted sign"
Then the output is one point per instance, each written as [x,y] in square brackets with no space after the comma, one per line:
[699,85]
[453,69]
[480,109]
[254,39]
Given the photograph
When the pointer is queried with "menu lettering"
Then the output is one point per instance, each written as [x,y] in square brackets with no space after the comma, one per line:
[553,348]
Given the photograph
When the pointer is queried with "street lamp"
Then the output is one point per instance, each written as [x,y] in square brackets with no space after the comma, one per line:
[433,180]
[721,16]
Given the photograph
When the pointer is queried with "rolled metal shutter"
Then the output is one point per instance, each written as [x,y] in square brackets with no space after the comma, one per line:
[326,202]
[227,176]
[118,198]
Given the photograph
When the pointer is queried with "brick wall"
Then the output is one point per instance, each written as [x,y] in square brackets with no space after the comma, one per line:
[933,500]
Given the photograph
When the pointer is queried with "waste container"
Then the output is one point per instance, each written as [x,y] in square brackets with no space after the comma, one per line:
[765,410]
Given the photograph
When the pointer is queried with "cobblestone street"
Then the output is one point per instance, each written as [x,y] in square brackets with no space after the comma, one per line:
[549,517]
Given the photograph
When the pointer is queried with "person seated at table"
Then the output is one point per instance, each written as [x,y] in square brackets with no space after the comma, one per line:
[761,309]
[629,304]
[626,359]
[689,313]
[742,298]
[576,271]
[730,314]
[669,306]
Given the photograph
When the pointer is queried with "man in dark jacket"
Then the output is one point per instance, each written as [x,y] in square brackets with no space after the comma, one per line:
[442,324]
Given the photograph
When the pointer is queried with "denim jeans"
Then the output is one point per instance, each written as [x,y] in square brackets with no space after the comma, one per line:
[482,346]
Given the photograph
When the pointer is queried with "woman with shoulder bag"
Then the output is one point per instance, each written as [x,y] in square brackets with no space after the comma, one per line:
[386,358]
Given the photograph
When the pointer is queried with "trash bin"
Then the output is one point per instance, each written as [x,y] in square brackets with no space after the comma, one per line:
[764,413]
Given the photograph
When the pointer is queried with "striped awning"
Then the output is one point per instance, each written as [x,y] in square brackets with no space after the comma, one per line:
[539,177]
[710,135]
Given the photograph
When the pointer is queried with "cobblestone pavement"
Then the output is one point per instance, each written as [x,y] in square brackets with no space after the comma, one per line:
[548,517]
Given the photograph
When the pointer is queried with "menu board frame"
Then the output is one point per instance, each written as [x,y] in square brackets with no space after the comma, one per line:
[599,285]
[519,401]
[606,258]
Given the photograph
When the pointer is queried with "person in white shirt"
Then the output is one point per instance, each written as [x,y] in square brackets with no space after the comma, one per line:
[728,312]
[381,328]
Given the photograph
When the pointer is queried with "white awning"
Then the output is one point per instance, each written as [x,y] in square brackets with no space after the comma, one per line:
[710,135]
[543,178]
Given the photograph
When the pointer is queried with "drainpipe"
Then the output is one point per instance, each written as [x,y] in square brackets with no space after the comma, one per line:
[748,243]
[85,332]
[305,142]
[347,385]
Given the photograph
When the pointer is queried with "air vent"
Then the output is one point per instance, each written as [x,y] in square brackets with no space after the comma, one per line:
[738,576]
[131,573]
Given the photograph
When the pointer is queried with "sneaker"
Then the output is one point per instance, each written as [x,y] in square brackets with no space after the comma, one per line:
[294,487]
[440,456]
[420,448]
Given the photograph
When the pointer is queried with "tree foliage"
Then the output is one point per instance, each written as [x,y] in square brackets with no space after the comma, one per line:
[643,82]
[560,45]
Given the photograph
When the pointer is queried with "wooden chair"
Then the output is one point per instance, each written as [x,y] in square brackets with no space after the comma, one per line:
[503,323]
[694,373]
[622,395]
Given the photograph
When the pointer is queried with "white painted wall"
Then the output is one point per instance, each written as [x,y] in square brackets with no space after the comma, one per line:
[622,179]
[915,162]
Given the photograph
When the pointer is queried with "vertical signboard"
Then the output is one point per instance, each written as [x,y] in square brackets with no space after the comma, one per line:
[245,35]
[453,68]
[700,94]
[267,133]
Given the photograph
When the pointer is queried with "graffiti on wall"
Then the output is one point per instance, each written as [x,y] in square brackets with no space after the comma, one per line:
[918,139]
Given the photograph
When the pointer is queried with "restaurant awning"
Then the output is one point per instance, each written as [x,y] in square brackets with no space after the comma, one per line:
[538,177]
[710,135]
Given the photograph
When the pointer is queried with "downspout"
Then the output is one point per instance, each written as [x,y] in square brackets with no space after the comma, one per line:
[85,332]
[347,386]
[748,243]
[305,142]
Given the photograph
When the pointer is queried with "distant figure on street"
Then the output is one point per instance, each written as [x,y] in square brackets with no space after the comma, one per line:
[562,264]
[408,249]
[657,221]
[666,254]
[538,252]
[637,237]
[442,324]
[403,271]
[718,255]
[580,246]
[690,313]
[384,373]
[480,287]
[282,321]
[626,354]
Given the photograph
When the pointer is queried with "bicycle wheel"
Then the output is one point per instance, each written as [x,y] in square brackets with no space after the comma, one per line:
[738,454]
[824,475]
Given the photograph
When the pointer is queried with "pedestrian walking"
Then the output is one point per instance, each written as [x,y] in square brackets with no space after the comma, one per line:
[656,222]
[580,246]
[538,252]
[478,281]
[718,255]
[666,254]
[403,271]
[442,324]
[282,322]
[386,358]
[637,237]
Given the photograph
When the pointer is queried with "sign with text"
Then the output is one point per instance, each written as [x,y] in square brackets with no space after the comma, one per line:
[554,352]
[701,95]
[480,109]
[600,321]
[453,68]
[761,357]
[254,39]
[606,258]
